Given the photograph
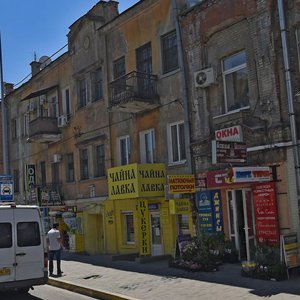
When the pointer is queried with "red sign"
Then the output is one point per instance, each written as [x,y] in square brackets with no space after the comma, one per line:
[266,214]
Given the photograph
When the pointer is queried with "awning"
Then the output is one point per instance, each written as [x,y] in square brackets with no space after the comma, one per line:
[40,92]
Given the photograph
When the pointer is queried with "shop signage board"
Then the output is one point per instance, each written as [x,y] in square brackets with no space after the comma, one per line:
[179,206]
[290,249]
[233,134]
[144,228]
[228,152]
[6,188]
[137,180]
[181,184]
[266,214]
[30,176]
[209,207]
[220,178]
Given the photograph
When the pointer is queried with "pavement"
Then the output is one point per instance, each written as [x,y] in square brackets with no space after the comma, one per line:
[101,277]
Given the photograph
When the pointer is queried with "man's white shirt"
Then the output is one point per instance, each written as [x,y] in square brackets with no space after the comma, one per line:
[53,235]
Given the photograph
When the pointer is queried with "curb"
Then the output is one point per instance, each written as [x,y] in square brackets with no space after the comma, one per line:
[98,294]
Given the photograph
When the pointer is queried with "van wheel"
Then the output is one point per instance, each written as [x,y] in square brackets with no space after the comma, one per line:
[23,291]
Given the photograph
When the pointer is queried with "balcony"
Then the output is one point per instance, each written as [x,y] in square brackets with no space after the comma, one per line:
[134,93]
[44,130]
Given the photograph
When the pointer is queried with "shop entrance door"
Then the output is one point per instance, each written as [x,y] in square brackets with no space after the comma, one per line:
[156,240]
[241,222]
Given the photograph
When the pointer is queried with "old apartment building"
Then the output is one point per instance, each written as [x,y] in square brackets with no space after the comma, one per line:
[165,90]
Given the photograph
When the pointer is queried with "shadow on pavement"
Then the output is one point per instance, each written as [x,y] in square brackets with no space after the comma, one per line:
[228,274]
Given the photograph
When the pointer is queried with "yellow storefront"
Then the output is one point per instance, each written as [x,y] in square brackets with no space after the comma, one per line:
[138,218]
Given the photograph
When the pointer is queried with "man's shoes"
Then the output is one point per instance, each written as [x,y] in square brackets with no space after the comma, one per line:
[59,274]
[51,275]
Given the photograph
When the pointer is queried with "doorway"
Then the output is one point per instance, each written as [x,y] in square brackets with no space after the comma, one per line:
[241,222]
[156,239]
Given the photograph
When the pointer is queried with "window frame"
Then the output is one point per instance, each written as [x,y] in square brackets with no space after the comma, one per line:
[99,166]
[143,146]
[126,156]
[230,71]
[167,52]
[70,170]
[97,85]
[126,232]
[66,102]
[181,154]
[82,92]
[84,163]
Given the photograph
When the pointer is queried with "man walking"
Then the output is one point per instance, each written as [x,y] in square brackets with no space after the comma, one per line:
[54,243]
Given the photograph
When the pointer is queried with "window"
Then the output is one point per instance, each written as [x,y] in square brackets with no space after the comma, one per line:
[66,103]
[169,52]
[183,224]
[84,168]
[53,107]
[70,176]
[235,78]
[14,128]
[119,67]
[26,125]
[6,235]
[144,66]
[82,90]
[129,228]
[124,150]
[28,234]
[100,161]
[97,85]
[43,173]
[176,143]
[55,175]
[147,146]
[16,181]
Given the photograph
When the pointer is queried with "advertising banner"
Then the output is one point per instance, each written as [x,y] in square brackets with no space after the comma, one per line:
[136,180]
[265,211]
[179,206]
[290,247]
[181,184]
[209,207]
[144,228]
[6,188]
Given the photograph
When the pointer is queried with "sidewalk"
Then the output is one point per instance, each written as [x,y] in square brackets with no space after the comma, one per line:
[100,277]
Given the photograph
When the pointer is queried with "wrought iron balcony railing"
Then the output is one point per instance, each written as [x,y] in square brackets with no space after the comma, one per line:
[134,92]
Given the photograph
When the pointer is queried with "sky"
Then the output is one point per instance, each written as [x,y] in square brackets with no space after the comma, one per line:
[36,28]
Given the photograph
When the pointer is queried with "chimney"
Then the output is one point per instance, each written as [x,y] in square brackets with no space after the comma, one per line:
[8,88]
[35,67]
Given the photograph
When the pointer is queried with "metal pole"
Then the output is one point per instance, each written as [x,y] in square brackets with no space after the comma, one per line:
[289,97]
[4,118]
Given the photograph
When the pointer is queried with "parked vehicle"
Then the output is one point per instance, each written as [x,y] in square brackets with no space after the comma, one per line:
[23,253]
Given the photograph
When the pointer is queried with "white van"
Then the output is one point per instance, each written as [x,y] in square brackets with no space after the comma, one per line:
[23,254]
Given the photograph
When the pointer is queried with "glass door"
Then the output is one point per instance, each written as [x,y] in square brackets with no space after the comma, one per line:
[156,240]
[241,221]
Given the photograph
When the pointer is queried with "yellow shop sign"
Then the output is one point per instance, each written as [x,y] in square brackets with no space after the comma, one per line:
[133,181]
[179,206]
[181,184]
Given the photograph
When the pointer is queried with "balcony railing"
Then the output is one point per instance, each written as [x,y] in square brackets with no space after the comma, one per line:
[44,130]
[134,92]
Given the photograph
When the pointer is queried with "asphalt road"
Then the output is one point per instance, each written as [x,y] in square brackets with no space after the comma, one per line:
[45,292]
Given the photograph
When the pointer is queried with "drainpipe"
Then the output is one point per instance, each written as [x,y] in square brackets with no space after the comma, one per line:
[184,92]
[289,97]
[4,118]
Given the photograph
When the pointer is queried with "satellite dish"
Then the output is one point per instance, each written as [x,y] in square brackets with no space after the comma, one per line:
[45,61]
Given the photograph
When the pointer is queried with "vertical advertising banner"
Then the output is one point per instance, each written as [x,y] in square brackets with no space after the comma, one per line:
[266,215]
[144,227]
[205,211]
[30,177]
[209,207]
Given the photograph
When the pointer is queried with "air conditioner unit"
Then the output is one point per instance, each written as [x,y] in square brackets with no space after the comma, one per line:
[56,158]
[62,121]
[204,78]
